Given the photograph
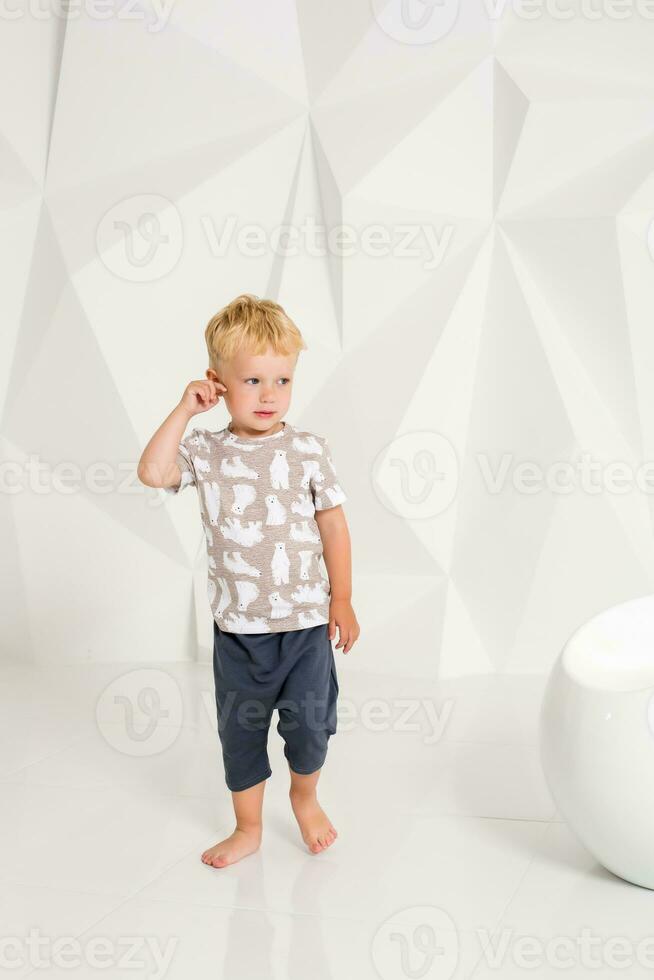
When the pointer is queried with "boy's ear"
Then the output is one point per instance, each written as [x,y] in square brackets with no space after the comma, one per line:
[212,376]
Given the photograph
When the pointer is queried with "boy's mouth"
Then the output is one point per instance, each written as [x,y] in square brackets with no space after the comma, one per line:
[264,414]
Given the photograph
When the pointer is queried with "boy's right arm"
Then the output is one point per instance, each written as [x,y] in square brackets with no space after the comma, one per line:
[157,466]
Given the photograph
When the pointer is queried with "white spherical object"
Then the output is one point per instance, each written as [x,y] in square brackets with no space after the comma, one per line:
[597,738]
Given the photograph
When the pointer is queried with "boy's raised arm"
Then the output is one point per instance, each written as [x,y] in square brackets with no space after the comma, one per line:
[157,466]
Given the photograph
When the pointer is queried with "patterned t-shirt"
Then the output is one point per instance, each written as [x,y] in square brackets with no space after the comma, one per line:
[258,497]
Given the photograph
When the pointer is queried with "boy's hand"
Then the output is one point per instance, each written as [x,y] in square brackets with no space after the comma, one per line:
[341,614]
[200,396]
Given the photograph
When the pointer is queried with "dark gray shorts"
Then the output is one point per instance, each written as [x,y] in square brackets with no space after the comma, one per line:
[254,673]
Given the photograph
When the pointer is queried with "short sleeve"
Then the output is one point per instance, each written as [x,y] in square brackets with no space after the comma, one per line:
[325,488]
[184,460]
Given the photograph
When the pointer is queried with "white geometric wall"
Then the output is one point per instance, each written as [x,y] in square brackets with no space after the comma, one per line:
[494,307]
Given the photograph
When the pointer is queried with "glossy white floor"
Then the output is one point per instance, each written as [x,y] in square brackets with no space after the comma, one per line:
[451,860]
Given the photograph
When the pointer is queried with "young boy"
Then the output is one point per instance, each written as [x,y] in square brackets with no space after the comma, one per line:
[271,507]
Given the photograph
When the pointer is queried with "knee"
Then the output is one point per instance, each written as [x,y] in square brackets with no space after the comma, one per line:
[305,747]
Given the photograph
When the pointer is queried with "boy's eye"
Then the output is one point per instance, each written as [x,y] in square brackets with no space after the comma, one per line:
[285,380]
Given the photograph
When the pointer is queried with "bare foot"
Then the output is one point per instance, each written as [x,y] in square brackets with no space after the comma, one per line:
[315,826]
[238,845]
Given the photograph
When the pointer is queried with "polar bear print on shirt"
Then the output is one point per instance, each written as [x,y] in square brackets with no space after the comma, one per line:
[309,618]
[303,505]
[247,593]
[259,503]
[305,564]
[280,608]
[302,532]
[279,470]
[247,536]
[211,491]
[244,494]
[225,598]
[280,564]
[334,494]
[236,467]
[311,472]
[241,624]
[198,441]
[201,465]
[231,441]
[276,510]
[309,593]
[308,445]
[239,565]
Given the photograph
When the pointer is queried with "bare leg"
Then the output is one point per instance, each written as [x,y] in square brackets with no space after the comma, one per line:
[315,826]
[246,838]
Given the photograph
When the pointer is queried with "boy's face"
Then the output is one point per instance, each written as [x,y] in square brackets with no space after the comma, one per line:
[257,384]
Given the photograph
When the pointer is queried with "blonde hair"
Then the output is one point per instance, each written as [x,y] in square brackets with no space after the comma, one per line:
[253,325]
